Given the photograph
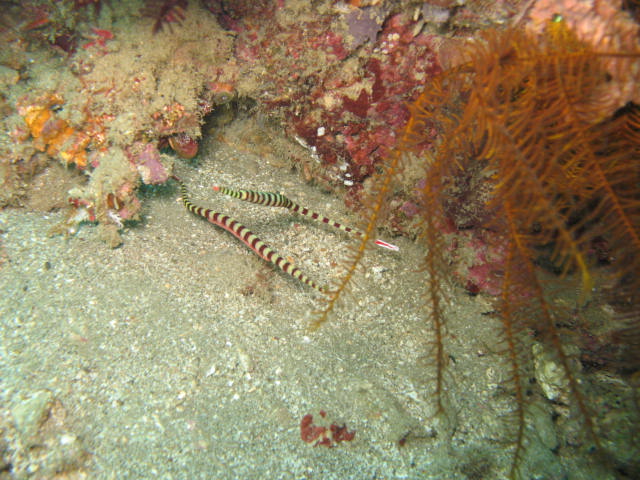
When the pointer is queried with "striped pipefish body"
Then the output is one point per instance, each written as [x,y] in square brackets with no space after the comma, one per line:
[270,199]
[247,237]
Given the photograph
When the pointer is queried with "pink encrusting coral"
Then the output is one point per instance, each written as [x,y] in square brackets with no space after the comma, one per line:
[147,161]
[360,107]
[342,81]
[606,27]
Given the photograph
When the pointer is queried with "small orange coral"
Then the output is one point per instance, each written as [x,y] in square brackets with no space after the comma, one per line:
[51,133]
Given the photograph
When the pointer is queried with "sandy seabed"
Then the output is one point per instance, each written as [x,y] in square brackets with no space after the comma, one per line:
[183,355]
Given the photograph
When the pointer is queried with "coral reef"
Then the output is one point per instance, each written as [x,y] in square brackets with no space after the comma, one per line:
[38,435]
[337,77]
[346,108]
[105,112]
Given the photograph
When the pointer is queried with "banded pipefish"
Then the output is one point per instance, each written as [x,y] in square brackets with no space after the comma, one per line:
[270,199]
[251,240]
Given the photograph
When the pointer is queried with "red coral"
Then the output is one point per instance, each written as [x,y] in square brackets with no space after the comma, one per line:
[184,145]
[324,436]
[480,256]
[308,431]
[341,434]
[359,106]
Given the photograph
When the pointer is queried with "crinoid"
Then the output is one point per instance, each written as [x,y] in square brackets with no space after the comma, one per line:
[527,114]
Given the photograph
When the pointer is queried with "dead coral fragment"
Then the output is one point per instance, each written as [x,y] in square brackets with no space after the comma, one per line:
[324,436]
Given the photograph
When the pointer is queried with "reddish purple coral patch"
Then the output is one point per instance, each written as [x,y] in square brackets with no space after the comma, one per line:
[147,161]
